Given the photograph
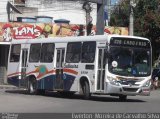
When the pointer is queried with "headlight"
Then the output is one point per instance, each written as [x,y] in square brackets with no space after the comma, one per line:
[147,83]
[113,81]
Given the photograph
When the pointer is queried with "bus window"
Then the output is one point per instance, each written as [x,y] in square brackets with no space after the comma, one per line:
[73,52]
[142,62]
[47,52]
[88,52]
[15,53]
[34,55]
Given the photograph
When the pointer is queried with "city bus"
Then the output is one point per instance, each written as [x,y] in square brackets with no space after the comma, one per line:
[103,64]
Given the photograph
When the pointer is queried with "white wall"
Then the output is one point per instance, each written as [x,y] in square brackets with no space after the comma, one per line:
[3,11]
[27,12]
[58,9]
[62,10]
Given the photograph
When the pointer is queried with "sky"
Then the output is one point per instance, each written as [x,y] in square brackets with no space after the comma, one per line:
[114,1]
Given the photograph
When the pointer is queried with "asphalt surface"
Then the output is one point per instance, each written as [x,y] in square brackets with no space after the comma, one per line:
[15,100]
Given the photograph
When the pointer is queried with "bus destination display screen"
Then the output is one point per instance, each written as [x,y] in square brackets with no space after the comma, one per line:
[130,42]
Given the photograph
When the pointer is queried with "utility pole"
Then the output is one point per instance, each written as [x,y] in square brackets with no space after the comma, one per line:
[100,15]
[131,20]
[131,17]
[88,9]
[109,11]
[100,18]
[106,12]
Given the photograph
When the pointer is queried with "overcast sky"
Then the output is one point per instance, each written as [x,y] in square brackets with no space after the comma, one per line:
[113,1]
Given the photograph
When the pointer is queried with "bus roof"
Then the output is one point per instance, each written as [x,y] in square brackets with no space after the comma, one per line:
[125,36]
[73,39]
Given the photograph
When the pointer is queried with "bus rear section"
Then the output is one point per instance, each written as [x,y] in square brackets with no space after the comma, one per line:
[39,66]
[31,66]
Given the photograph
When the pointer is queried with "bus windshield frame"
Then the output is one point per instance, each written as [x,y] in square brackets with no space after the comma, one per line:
[129,58]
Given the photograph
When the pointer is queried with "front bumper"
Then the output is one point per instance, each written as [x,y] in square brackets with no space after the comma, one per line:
[126,90]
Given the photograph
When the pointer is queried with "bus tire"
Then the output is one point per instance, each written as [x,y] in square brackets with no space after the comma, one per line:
[122,97]
[32,89]
[66,93]
[86,90]
[40,91]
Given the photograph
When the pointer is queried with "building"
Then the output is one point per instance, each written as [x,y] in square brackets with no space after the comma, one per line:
[58,9]
[3,12]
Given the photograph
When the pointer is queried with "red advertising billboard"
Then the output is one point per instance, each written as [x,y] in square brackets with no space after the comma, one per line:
[19,31]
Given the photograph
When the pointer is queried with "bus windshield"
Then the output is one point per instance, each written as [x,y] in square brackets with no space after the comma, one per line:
[129,61]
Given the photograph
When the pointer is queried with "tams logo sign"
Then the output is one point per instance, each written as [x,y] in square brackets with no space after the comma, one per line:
[27,32]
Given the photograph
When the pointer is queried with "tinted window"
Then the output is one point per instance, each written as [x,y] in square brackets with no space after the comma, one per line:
[130,61]
[73,52]
[15,53]
[88,52]
[47,52]
[35,52]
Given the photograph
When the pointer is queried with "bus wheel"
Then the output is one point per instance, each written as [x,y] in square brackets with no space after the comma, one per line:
[32,86]
[66,93]
[86,90]
[40,92]
[122,97]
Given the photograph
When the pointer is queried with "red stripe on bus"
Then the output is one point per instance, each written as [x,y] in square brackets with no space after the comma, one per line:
[70,71]
[43,74]
[14,73]
[32,72]
[52,71]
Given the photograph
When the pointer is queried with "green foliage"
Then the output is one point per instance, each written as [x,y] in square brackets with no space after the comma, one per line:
[147,22]
[146,19]
[120,14]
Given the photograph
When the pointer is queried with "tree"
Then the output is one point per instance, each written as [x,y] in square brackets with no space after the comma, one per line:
[146,20]
[120,14]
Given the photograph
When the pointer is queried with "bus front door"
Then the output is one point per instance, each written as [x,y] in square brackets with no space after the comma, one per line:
[23,81]
[101,69]
[59,69]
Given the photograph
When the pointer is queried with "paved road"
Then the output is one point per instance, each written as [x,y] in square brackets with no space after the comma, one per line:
[19,102]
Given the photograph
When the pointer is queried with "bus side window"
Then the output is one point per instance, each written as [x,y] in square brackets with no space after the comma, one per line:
[34,55]
[88,52]
[73,52]
[47,52]
[15,53]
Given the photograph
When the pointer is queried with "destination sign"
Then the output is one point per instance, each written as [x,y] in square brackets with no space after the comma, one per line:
[130,42]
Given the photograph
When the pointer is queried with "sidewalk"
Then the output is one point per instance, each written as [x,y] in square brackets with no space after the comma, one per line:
[5,86]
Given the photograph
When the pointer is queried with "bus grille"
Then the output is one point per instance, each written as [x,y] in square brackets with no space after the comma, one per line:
[127,82]
[130,89]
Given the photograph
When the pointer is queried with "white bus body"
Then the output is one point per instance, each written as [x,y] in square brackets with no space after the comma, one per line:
[102,64]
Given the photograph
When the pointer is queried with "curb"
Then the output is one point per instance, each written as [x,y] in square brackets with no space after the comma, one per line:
[8,87]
